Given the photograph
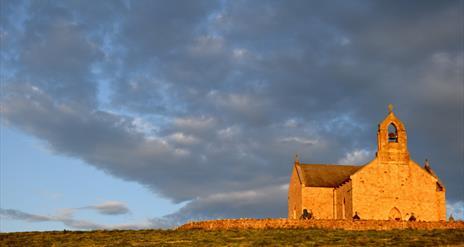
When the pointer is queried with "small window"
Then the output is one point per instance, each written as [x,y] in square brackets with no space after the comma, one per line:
[392,133]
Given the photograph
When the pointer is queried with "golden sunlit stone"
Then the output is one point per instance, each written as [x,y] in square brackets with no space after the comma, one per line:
[390,187]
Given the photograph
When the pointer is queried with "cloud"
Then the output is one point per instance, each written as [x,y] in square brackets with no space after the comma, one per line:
[68,220]
[180,137]
[110,208]
[455,209]
[194,123]
[66,216]
[208,101]
[301,140]
[356,157]
[257,203]
[19,215]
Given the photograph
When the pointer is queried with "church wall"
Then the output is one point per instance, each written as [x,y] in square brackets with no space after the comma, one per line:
[343,201]
[441,203]
[294,196]
[392,186]
[380,187]
[319,200]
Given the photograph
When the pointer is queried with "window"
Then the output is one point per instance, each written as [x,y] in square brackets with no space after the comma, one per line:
[392,133]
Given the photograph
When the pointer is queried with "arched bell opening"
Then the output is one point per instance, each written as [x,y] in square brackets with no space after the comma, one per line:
[392,133]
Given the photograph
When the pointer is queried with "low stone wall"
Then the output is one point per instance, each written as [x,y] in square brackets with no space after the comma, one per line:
[358,225]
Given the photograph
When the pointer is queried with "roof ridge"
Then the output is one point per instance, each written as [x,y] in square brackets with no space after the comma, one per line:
[332,164]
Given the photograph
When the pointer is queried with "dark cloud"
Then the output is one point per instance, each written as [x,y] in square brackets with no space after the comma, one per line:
[208,102]
[237,204]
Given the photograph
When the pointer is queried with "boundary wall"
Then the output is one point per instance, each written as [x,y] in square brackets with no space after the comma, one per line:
[358,225]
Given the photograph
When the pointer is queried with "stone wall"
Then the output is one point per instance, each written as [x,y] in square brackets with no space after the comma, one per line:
[441,204]
[390,186]
[359,225]
[294,196]
[344,201]
[397,151]
[319,201]
[380,187]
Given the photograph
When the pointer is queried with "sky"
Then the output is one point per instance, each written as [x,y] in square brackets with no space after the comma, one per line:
[147,114]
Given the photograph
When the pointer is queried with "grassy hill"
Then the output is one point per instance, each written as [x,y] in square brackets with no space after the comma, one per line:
[243,237]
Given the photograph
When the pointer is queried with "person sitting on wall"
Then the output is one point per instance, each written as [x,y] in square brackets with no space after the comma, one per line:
[306,215]
[356,216]
[412,218]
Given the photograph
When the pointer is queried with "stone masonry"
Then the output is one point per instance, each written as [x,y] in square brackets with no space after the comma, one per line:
[390,187]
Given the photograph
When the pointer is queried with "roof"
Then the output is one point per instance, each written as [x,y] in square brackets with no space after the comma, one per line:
[321,175]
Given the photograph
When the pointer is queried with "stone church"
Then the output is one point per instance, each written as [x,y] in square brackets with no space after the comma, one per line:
[390,187]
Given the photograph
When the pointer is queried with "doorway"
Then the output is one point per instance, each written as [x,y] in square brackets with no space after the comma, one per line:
[395,214]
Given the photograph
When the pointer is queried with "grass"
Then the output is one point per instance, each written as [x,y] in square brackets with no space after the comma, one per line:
[270,237]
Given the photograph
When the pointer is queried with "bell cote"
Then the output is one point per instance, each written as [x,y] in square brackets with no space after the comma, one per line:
[392,141]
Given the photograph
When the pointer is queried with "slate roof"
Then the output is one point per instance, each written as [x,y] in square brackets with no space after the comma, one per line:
[320,175]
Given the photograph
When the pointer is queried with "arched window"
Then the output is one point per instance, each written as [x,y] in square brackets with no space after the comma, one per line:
[392,133]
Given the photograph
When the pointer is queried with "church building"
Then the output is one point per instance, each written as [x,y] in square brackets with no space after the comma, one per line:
[390,187]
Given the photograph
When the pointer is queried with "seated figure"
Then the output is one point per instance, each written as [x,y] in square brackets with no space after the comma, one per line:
[306,214]
[356,216]
[412,218]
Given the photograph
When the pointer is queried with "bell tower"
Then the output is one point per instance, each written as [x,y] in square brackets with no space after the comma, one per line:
[392,141]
